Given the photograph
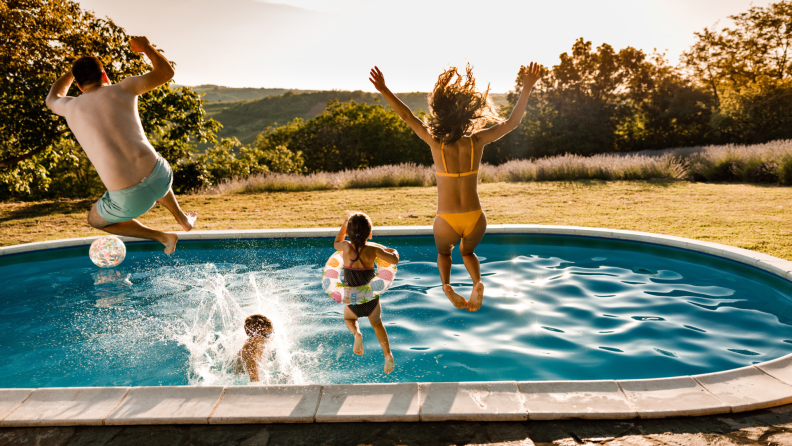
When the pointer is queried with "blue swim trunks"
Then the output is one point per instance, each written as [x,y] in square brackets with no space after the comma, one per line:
[126,204]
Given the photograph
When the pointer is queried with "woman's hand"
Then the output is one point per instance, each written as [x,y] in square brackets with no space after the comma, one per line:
[530,75]
[376,78]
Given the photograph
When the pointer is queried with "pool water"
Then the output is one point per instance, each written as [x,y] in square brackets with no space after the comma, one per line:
[556,307]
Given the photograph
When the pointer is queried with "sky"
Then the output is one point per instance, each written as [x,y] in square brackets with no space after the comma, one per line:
[332,44]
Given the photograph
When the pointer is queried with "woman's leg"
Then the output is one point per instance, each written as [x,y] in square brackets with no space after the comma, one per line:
[472,264]
[445,239]
[351,321]
[382,337]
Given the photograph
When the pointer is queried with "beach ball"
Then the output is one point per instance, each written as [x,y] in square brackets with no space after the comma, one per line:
[107,251]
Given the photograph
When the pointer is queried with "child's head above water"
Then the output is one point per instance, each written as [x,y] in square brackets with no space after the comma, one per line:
[258,325]
[359,229]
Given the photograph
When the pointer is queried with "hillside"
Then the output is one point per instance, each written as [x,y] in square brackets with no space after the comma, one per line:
[246,119]
[217,93]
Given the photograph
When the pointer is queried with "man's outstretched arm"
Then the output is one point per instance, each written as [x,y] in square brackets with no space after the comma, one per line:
[56,99]
[159,75]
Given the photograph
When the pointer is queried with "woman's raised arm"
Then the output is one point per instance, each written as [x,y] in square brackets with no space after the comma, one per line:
[400,107]
[530,75]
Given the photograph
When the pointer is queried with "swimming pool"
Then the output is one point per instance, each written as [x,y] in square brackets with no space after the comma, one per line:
[557,307]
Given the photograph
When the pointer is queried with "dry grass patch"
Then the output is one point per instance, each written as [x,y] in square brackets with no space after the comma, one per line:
[748,216]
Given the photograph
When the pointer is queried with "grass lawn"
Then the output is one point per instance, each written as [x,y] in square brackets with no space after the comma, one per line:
[749,216]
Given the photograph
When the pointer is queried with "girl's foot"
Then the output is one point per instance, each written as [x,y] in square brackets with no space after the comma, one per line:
[476,297]
[170,242]
[456,299]
[358,347]
[389,364]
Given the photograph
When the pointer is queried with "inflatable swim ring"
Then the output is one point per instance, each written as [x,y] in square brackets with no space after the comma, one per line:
[335,288]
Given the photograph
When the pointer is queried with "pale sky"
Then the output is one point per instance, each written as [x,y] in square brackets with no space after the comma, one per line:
[332,44]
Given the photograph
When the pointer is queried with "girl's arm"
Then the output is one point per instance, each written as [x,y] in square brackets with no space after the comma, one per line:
[399,107]
[338,244]
[529,75]
[389,255]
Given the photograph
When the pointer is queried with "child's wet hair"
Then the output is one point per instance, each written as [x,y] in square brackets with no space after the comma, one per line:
[457,107]
[257,325]
[358,229]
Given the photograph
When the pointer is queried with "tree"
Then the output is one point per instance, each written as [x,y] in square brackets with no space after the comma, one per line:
[348,135]
[38,41]
[756,49]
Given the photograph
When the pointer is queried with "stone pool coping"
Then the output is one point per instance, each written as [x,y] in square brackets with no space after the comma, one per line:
[759,386]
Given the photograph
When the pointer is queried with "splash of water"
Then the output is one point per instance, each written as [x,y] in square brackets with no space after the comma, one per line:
[215,334]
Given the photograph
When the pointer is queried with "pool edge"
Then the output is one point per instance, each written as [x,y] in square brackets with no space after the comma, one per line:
[707,394]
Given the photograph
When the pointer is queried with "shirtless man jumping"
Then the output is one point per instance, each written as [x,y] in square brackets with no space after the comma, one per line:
[105,121]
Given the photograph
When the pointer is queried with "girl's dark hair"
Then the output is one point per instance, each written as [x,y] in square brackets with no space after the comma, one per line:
[358,229]
[457,108]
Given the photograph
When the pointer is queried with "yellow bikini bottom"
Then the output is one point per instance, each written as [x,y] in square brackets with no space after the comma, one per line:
[462,222]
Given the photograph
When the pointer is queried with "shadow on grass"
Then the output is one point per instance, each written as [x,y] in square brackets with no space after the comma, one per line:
[46,209]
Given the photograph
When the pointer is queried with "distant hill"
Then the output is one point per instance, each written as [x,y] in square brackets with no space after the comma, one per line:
[246,119]
[217,93]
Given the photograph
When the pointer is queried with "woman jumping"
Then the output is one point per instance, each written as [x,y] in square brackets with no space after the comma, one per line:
[455,133]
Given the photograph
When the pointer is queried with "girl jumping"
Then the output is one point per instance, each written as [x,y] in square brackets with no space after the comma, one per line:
[359,260]
[454,131]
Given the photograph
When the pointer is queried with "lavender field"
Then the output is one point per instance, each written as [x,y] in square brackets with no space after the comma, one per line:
[761,163]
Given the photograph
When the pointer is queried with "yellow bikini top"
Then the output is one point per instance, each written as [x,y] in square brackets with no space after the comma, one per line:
[464,174]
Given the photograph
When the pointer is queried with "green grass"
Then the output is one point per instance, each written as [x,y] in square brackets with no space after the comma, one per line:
[756,217]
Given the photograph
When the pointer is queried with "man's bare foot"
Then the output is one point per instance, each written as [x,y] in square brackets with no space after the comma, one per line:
[170,242]
[358,347]
[476,297]
[454,297]
[389,364]
[187,220]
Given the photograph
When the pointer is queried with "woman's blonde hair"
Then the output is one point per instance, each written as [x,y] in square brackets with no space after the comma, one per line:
[457,108]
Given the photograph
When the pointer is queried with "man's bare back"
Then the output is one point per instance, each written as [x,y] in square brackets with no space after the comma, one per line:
[105,121]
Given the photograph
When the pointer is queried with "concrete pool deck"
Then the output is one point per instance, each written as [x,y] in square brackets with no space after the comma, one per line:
[760,386]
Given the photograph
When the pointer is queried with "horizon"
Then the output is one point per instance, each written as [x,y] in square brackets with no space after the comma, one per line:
[317,45]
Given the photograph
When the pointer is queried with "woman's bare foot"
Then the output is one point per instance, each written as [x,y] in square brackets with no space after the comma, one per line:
[358,347]
[187,220]
[476,297]
[169,240]
[454,297]
[389,364]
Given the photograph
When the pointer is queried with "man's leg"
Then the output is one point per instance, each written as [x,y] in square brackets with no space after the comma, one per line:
[132,228]
[186,220]
[445,238]
[351,321]
[472,264]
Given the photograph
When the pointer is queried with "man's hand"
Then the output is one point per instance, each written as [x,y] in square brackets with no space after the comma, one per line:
[376,78]
[139,44]
[530,75]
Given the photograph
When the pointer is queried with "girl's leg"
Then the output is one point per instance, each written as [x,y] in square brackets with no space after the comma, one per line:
[351,321]
[382,336]
[472,264]
[445,239]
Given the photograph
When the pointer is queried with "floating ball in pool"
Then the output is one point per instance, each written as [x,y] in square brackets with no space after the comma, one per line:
[107,251]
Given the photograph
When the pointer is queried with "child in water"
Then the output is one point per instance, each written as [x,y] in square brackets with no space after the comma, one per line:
[258,328]
[359,260]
